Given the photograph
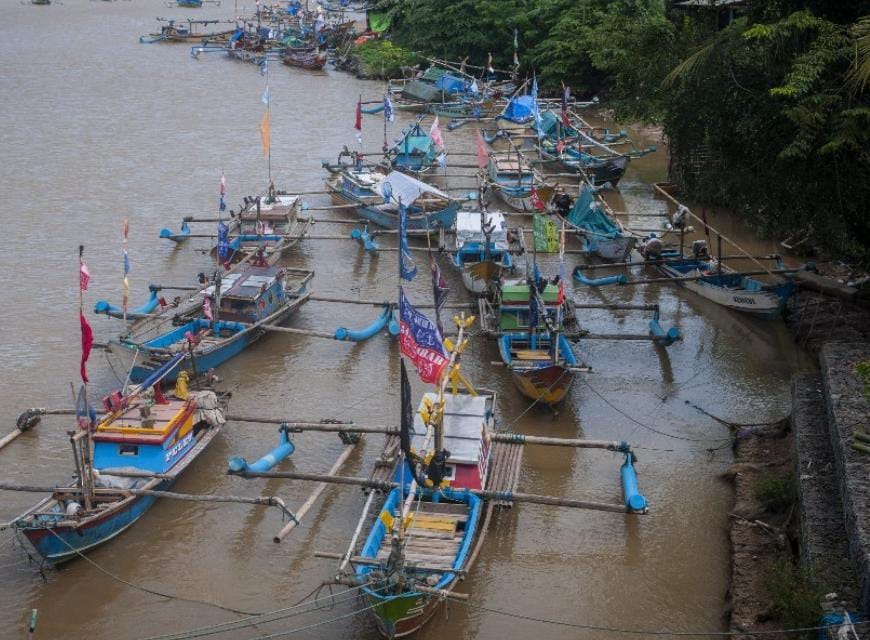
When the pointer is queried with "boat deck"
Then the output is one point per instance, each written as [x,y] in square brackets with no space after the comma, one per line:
[434,536]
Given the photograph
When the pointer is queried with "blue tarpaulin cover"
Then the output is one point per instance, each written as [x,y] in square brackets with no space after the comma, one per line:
[520,108]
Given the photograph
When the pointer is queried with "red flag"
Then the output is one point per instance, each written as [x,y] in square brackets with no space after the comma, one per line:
[206,309]
[358,124]
[482,155]
[560,147]
[87,343]
[537,203]
[84,275]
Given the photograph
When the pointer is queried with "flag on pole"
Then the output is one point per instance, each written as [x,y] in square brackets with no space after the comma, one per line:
[223,204]
[560,300]
[420,341]
[265,136]
[435,134]
[84,275]
[388,109]
[87,343]
[265,97]
[440,289]
[206,308]
[535,105]
[482,155]
[264,68]
[489,63]
[223,245]
[535,197]
[126,293]
[566,96]
[407,268]
[516,49]
[358,120]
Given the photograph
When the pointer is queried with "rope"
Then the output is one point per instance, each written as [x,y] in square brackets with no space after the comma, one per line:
[640,632]
[646,426]
[145,589]
[735,425]
[235,625]
[317,624]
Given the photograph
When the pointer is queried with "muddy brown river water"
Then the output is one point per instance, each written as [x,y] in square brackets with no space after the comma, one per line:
[95,128]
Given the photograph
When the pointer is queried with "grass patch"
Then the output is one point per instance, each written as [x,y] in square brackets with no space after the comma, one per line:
[863,371]
[775,492]
[794,601]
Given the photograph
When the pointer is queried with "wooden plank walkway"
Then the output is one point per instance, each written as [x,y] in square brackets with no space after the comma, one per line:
[504,470]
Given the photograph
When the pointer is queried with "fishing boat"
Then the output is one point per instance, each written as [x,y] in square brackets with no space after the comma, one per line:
[236,311]
[601,170]
[436,547]
[144,432]
[514,180]
[517,115]
[312,59]
[264,228]
[192,31]
[482,250]
[711,279]
[601,233]
[414,153]
[531,340]
[375,197]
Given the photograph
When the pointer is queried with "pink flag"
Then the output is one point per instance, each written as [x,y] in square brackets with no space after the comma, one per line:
[435,134]
[358,122]
[482,155]
[206,309]
[87,343]
[223,184]
[537,203]
[84,275]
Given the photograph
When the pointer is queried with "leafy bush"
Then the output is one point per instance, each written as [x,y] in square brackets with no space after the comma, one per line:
[795,602]
[383,59]
[775,492]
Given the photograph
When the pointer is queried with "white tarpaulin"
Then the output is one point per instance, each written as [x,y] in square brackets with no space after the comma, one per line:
[405,188]
[468,228]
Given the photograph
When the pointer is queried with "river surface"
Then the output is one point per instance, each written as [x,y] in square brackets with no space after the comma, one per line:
[96,128]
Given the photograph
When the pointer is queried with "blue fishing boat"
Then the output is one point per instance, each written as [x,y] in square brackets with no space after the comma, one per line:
[531,340]
[601,234]
[514,180]
[264,228]
[375,197]
[236,312]
[145,432]
[482,249]
[414,153]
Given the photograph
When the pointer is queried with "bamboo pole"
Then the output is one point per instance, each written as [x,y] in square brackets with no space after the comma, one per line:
[269,501]
[10,437]
[380,303]
[302,332]
[652,263]
[356,532]
[701,277]
[306,506]
[530,498]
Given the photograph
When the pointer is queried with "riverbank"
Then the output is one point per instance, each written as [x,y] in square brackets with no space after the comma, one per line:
[800,530]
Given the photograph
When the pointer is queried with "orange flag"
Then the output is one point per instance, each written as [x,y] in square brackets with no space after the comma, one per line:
[264,133]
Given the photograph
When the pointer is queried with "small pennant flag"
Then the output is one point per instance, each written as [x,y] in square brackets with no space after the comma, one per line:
[264,68]
[435,134]
[84,276]
[566,97]
[206,308]
[265,97]
[482,155]
[537,203]
[407,268]
[358,120]
[223,204]
[265,138]
[440,289]
[388,109]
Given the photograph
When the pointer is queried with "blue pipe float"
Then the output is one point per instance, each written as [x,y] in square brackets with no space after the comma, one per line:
[597,282]
[659,335]
[393,327]
[106,308]
[237,464]
[177,238]
[363,236]
[634,500]
[358,335]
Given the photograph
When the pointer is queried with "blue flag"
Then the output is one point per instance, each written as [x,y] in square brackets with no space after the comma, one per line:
[388,109]
[407,268]
[533,307]
[223,245]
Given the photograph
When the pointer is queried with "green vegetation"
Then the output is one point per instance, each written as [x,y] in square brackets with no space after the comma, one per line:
[383,59]
[795,602]
[767,113]
[863,371]
[775,492]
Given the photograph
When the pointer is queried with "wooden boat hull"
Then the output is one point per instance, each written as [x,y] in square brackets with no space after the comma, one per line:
[142,363]
[405,615]
[445,217]
[766,303]
[548,385]
[476,277]
[516,199]
[63,543]
[613,249]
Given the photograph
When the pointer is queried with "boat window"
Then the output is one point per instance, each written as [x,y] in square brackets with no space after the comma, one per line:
[449,472]
[128,450]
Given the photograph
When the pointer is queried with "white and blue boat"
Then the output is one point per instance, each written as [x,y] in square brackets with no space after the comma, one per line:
[414,153]
[482,250]
[247,301]
[514,180]
[375,197]
[144,433]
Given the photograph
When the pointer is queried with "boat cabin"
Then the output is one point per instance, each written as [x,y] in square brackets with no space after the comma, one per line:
[250,295]
[470,238]
[148,433]
[514,308]
[466,421]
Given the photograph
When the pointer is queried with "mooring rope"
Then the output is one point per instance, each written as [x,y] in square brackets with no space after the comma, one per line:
[146,589]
